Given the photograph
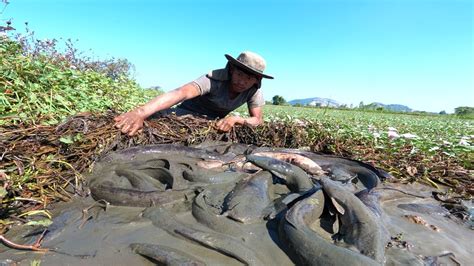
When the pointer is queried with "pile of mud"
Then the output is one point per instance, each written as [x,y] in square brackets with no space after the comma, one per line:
[240,204]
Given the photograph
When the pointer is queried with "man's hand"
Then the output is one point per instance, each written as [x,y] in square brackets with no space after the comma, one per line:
[129,123]
[227,123]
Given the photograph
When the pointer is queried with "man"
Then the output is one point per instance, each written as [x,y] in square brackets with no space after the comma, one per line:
[213,96]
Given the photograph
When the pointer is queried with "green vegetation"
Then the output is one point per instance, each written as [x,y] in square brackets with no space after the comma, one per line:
[427,135]
[38,84]
[464,111]
[278,100]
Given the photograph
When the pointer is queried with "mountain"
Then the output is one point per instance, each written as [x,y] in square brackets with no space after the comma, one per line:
[155,88]
[316,101]
[323,102]
[392,107]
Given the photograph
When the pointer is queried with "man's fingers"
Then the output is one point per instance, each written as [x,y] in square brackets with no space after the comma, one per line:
[224,127]
[134,129]
[125,128]
[120,121]
[118,124]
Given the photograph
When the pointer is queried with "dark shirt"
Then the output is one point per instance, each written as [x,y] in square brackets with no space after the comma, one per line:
[214,100]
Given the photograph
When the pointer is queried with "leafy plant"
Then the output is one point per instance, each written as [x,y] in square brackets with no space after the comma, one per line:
[37,88]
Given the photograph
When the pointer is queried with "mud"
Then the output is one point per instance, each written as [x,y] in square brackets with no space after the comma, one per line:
[174,205]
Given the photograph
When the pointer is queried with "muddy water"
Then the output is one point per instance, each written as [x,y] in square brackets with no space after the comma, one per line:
[421,231]
[105,239]
[426,228]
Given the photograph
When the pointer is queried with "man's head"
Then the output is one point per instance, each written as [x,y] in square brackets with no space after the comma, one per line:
[241,80]
[250,62]
[246,71]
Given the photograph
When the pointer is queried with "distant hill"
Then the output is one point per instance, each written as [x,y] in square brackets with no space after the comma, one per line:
[326,102]
[316,101]
[392,107]
[155,88]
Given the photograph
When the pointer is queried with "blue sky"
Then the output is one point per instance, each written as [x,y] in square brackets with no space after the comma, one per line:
[413,52]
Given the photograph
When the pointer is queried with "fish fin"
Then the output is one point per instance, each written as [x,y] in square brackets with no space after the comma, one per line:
[290,198]
[338,206]
[269,212]
[336,225]
[275,173]
[337,238]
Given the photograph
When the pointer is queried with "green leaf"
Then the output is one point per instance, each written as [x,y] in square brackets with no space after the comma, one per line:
[66,139]
[44,222]
[3,192]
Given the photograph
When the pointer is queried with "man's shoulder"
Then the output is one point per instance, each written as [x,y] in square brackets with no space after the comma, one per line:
[219,74]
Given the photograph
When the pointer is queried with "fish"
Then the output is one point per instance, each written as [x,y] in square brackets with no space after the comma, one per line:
[225,148]
[296,179]
[360,227]
[305,245]
[371,199]
[224,244]
[150,171]
[211,177]
[250,197]
[206,212]
[339,167]
[301,161]
[137,198]
[153,179]
[163,149]
[212,164]
[165,255]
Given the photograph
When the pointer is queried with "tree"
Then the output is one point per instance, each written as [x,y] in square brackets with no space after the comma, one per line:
[278,100]
[442,112]
[464,111]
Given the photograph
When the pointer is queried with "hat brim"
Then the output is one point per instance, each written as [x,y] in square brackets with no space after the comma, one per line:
[237,63]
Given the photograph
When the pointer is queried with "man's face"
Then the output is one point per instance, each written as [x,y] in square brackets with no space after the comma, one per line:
[242,81]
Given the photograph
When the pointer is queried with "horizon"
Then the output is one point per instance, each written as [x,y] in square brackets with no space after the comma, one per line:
[415,53]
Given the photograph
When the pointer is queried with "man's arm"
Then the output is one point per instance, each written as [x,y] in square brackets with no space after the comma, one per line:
[132,121]
[255,119]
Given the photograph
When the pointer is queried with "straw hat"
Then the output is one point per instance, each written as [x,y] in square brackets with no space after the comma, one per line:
[251,62]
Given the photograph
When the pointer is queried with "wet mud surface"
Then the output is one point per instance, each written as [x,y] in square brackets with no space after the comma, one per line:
[235,204]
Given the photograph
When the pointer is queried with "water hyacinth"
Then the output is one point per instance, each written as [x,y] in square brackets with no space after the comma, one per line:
[393,133]
[447,143]
[409,136]
[299,122]
[450,154]
[435,148]
[372,128]
[465,141]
